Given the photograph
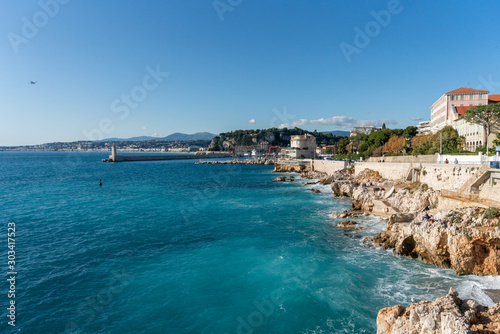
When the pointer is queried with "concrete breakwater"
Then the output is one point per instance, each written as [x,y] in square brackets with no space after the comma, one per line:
[124,158]
[238,162]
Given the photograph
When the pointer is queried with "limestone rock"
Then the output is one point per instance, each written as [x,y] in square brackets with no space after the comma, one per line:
[461,240]
[280,179]
[345,214]
[446,315]
[347,224]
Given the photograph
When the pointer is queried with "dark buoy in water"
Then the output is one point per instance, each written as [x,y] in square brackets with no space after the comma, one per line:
[100,183]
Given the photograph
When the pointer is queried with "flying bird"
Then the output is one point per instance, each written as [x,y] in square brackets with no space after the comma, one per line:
[32,82]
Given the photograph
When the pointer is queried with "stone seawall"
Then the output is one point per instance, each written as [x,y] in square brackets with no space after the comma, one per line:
[436,176]
[407,158]
[328,167]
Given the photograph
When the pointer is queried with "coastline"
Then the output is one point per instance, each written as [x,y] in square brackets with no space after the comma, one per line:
[403,209]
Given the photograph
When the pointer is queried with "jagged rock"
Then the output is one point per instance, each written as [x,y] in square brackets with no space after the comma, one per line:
[313,175]
[343,188]
[280,179]
[446,315]
[347,224]
[454,240]
[345,214]
[316,191]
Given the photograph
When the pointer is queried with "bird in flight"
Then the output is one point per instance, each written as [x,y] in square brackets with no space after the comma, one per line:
[32,82]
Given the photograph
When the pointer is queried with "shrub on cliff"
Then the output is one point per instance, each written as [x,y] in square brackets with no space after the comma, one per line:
[491,213]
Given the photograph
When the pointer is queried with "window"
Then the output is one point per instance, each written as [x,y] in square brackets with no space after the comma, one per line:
[480,104]
[470,104]
[462,97]
[480,96]
[462,105]
[452,98]
[471,97]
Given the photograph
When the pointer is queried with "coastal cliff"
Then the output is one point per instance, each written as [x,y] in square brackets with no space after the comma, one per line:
[372,194]
[466,240]
[463,240]
[446,315]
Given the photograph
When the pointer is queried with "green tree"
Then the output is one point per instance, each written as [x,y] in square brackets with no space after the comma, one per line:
[487,116]
[410,132]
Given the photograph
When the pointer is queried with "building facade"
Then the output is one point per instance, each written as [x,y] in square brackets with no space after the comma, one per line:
[363,129]
[443,111]
[424,127]
[301,147]
[474,134]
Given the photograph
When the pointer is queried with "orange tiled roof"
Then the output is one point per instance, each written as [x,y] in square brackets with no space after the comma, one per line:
[494,98]
[467,90]
[462,109]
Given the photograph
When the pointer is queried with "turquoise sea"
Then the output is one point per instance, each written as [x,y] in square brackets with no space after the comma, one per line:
[173,247]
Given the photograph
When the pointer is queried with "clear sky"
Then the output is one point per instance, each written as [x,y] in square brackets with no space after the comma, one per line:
[133,68]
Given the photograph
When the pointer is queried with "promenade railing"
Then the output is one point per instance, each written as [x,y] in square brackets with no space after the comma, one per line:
[480,172]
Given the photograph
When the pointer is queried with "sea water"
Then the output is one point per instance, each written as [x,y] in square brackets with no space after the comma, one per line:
[174,247]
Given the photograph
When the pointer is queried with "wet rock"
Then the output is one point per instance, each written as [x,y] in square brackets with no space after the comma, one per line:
[448,314]
[280,179]
[345,214]
[347,223]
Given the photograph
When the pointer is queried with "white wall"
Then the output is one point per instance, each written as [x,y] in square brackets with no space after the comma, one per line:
[328,166]
[466,159]
[436,176]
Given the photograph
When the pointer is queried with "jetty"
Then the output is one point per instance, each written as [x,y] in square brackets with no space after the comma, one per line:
[262,161]
[157,157]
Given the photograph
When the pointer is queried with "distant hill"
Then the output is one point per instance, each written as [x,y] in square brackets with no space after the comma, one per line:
[173,136]
[194,136]
[339,133]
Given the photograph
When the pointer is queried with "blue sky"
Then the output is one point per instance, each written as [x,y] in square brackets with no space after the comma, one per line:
[130,68]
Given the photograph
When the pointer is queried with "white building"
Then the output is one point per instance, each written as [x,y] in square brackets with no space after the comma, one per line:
[363,129]
[443,112]
[474,134]
[424,127]
[301,147]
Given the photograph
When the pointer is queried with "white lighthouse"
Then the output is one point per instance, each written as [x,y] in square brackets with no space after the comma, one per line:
[113,153]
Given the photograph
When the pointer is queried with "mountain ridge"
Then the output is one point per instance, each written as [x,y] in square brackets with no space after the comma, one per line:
[173,136]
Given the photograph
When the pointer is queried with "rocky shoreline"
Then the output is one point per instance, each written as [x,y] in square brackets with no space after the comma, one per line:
[466,240]
[262,161]
[448,314]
